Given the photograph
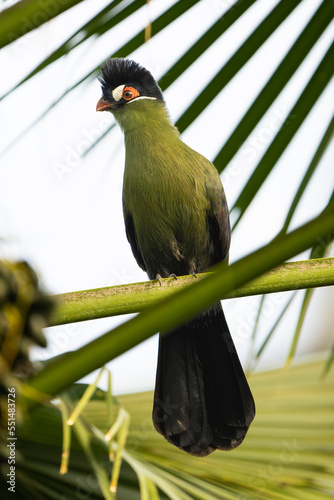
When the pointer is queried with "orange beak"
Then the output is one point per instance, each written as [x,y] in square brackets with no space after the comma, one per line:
[102,105]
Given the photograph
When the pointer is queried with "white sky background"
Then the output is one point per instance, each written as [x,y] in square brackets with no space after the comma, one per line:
[63,213]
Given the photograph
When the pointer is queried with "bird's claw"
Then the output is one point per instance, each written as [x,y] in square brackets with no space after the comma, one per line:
[172,275]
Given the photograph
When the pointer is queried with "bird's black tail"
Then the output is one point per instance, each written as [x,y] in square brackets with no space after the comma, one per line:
[202,400]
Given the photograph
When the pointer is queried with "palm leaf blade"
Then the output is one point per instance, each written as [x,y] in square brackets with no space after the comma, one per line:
[299,112]
[308,174]
[199,47]
[237,61]
[27,15]
[274,86]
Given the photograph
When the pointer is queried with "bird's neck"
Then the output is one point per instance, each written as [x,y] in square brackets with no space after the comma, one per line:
[145,122]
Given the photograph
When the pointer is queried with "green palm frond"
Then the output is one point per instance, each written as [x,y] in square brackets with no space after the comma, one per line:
[296,117]
[27,15]
[288,453]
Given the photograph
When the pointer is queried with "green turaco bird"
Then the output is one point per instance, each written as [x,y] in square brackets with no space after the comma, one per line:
[177,222]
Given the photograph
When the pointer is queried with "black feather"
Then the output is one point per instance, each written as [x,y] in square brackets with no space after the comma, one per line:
[132,239]
[117,71]
[202,400]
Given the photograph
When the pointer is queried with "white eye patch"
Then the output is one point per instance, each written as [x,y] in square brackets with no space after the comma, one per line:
[143,97]
[117,93]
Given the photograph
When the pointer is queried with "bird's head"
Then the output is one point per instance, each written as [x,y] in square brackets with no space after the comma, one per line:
[123,82]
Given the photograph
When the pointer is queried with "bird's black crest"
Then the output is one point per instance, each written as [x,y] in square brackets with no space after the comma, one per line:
[119,71]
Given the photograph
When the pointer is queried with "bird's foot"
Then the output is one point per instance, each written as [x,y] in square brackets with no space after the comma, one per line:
[172,275]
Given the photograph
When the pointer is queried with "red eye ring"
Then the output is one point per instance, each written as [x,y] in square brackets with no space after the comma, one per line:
[130,93]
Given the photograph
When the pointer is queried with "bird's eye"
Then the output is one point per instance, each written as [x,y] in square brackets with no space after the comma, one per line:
[129,93]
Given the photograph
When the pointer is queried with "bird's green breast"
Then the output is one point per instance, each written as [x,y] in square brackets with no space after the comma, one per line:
[165,191]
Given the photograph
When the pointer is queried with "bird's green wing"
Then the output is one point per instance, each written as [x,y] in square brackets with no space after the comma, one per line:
[218,222]
[132,239]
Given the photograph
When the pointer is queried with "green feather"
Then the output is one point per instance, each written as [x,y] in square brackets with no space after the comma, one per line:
[169,189]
